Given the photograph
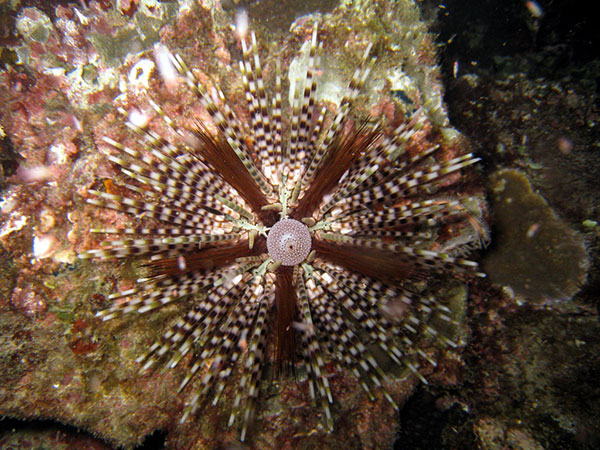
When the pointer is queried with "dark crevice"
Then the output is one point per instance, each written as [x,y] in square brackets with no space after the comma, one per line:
[49,431]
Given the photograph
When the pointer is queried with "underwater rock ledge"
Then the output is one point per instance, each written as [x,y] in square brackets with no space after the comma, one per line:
[59,360]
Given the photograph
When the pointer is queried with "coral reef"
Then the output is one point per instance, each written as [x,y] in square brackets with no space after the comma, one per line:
[524,374]
[78,69]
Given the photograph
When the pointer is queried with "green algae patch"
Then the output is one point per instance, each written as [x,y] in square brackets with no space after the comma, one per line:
[114,49]
[34,25]
[535,252]
[139,34]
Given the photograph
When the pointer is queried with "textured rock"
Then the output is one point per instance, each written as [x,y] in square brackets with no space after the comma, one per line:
[75,70]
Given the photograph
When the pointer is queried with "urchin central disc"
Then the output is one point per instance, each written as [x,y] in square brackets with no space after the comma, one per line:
[289,241]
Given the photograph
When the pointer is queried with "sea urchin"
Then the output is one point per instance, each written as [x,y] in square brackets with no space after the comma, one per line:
[295,237]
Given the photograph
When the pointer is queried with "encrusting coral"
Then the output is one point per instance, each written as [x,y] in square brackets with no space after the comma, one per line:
[285,251]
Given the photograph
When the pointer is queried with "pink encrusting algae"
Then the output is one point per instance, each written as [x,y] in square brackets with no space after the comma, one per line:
[286,235]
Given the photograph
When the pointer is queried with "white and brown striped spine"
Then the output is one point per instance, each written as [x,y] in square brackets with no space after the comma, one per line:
[367,203]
